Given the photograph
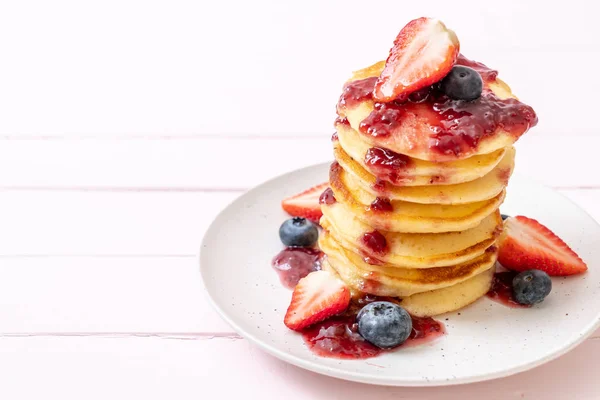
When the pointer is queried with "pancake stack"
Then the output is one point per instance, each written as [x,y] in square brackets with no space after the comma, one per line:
[413,206]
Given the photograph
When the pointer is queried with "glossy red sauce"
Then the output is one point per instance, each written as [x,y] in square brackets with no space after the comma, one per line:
[460,125]
[375,242]
[379,185]
[294,263]
[341,121]
[501,290]
[327,197]
[356,92]
[338,337]
[384,119]
[487,74]
[386,164]
[381,204]
[457,126]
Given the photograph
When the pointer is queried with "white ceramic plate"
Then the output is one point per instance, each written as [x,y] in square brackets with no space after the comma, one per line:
[487,340]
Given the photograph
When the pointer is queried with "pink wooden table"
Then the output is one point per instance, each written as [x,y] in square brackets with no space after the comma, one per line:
[126,127]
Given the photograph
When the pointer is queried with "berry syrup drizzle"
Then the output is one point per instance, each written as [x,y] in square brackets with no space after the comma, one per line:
[381,204]
[457,126]
[294,263]
[501,290]
[338,337]
[375,242]
[327,197]
[387,164]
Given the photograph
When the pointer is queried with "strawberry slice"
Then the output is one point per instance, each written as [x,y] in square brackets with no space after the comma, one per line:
[424,52]
[317,296]
[530,245]
[306,204]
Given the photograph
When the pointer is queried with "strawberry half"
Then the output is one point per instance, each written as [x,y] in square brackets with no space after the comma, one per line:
[306,204]
[530,245]
[317,296]
[424,52]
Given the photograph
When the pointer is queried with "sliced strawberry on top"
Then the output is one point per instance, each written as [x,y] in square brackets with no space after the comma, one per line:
[316,297]
[530,245]
[306,204]
[424,52]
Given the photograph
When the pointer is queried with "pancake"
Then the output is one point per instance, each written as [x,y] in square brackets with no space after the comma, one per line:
[451,298]
[435,128]
[407,216]
[486,187]
[385,280]
[415,172]
[412,250]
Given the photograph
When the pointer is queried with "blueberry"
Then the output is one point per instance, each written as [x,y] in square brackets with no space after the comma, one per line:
[462,83]
[298,232]
[531,287]
[384,324]
[504,216]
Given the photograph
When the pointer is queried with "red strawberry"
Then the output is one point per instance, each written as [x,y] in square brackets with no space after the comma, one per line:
[424,52]
[530,245]
[317,296]
[306,204]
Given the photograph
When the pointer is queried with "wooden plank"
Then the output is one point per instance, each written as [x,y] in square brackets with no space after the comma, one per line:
[105,294]
[169,68]
[227,163]
[92,223]
[115,296]
[128,223]
[156,368]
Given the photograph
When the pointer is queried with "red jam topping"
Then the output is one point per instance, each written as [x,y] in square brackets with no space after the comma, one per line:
[294,263]
[376,242]
[327,197]
[487,74]
[341,121]
[501,290]
[335,137]
[356,92]
[379,185]
[383,119]
[381,204]
[457,126]
[386,164]
[338,337]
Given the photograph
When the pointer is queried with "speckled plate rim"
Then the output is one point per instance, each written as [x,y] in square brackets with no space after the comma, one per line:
[369,378]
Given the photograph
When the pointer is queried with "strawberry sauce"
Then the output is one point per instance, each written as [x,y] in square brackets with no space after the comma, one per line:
[327,197]
[356,92]
[375,242]
[294,263]
[381,204]
[380,185]
[386,164]
[457,126]
[338,337]
[341,121]
[487,74]
[501,290]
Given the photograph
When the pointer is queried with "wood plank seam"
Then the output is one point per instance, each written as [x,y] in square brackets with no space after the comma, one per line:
[120,335]
[184,189]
